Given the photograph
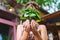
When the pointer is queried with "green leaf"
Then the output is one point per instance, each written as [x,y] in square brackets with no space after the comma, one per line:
[23,18]
[5,1]
[32,15]
[38,15]
[30,8]
[38,20]
[59,6]
[25,15]
[18,1]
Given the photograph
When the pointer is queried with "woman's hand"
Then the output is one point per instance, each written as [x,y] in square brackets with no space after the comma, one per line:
[34,26]
[26,31]
[26,25]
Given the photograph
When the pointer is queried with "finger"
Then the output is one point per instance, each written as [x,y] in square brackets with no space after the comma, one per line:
[25,24]
[27,20]
[32,24]
[36,24]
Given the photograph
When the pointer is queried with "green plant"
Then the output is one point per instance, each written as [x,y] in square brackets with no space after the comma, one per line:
[5,1]
[42,3]
[30,13]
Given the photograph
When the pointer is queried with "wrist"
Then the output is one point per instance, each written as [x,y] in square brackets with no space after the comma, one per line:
[26,32]
[25,35]
[36,33]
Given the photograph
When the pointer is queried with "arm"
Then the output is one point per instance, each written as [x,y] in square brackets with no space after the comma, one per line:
[26,30]
[37,36]
[19,31]
[43,30]
[24,36]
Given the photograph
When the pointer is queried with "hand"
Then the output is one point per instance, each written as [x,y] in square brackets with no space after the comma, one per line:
[26,25]
[26,31]
[34,26]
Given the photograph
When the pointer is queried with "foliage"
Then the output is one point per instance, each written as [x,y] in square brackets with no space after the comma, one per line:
[5,1]
[30,13]
[59,6]
[41,3]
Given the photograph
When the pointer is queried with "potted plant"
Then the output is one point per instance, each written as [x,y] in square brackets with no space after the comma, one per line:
[30,12]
